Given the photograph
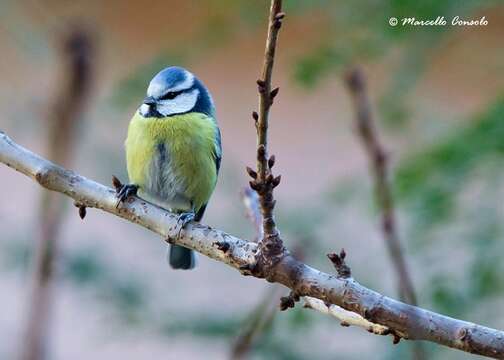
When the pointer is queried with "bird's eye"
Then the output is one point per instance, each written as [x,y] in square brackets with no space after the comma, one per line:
[169,95]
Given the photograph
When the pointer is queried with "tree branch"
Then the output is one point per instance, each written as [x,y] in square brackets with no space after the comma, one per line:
[271,247]
[257,322]
[407,321]
[77,56]
[346,318]
[253,211]
[366,129]
[263,314]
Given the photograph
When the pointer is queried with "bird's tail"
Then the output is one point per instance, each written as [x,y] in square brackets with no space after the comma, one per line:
[181,257]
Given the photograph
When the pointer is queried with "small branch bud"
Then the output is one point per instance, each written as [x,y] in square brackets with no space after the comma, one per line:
[82,212]
[261,86]
[286,302]
[274,92]
[407,319]
[271,161]
[276,181]
[251,173]
[255,115]
[341,267]
[254,185]
[261,152]
[289,301]
[270,249]
[82,209]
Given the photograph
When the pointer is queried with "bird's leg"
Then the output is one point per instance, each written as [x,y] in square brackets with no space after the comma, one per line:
[183,219]
[125,191]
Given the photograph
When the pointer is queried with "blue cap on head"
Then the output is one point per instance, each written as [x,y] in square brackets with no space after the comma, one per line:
[174,90]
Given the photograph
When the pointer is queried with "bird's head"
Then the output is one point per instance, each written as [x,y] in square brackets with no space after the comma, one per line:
[173,91]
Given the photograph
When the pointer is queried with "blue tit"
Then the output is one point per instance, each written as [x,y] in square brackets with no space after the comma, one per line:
[173,151]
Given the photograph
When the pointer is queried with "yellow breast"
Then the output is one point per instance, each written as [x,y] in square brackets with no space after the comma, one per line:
[190,143]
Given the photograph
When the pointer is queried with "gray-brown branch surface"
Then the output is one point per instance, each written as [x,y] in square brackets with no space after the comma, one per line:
[77,56]
[263,315]
[270,247]
[368,133]
[404,320]
[366,128]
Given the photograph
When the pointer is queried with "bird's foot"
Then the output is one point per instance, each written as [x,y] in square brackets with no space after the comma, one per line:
[183,220]
[124,192]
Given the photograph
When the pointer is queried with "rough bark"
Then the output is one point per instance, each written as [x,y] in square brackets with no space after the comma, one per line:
[403,320]
[271,247]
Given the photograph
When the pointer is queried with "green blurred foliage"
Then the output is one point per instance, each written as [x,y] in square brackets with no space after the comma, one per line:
[128,297]
[15,254]
[362,34]
[452,192]
[86,269]
[430,181]
[428,184]
[203,325]
[351,35]
[126,293]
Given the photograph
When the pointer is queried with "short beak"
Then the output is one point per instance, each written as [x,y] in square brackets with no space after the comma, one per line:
[148,108]
[149,100]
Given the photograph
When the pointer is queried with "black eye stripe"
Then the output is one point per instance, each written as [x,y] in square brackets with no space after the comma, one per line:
[170,95]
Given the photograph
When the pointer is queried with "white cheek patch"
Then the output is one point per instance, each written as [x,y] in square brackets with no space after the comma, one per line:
[181,104]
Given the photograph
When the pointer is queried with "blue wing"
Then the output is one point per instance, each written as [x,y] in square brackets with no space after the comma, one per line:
[218,157]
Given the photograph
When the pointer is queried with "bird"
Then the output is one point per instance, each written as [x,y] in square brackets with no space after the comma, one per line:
[173,151]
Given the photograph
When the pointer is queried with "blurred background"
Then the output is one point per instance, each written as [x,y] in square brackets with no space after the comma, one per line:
[73,73]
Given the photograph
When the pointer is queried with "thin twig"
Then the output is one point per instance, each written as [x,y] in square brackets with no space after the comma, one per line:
[63,121]
[271,246]
[338,261]
[252,211]
[260,319]
[366,128]
[346,318]
[263,314]
[406,321]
